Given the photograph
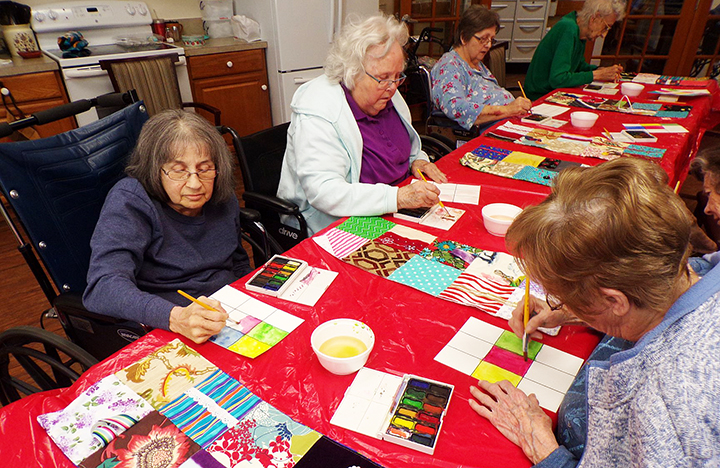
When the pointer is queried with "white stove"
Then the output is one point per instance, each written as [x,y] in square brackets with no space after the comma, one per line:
[106,25]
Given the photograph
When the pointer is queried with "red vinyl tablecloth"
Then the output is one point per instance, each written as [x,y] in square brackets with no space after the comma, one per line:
[410,328]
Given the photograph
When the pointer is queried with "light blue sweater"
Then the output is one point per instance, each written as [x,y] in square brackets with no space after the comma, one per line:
[658,403]
[321,168]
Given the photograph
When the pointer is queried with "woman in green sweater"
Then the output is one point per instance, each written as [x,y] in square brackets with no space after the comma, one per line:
[559,60]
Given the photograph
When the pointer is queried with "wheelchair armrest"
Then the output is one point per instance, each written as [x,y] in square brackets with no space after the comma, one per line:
[273,203]
[207,107]
[248,214]
[73,301]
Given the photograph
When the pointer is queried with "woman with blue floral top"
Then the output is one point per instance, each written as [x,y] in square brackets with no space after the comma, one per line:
[462,86]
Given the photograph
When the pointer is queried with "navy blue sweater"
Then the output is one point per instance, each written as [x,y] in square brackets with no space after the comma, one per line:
[143,251]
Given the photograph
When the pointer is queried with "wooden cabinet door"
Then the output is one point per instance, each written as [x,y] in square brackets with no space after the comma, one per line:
[243,100]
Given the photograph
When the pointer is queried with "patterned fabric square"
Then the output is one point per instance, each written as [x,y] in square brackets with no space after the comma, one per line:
[526,159]
[369,227]
[451,253]
[166,373]
[401,243]
[153,441]
[549,164]
[536,175]
[504,169]
[647,106]
[672,114]
[73,428]
[476,162]
[489,152]
[264,437]
[509,341]
[379,259]
[567,146]
[343,242]
[485,292]
[206,411]
[493,373]
[508,361]
[425,275]
[606,151]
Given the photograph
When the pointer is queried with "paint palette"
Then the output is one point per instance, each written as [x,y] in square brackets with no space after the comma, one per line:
[276,275]
[417,415]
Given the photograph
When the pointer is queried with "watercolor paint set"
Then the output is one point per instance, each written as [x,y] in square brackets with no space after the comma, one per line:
[417,414]
[277,275]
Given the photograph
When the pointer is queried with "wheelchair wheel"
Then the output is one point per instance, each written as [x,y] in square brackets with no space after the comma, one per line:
[435,147]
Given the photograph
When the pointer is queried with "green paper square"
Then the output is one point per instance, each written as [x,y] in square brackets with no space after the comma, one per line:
[509,341]
[368,227]
[266,333]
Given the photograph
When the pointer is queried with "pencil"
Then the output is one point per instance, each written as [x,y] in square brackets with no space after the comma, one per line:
[522,90]
[607,134]
[439,201]
[201,303]
[526,318]
[677,186]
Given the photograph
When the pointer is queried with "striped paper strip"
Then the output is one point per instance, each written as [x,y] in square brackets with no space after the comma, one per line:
[481,292]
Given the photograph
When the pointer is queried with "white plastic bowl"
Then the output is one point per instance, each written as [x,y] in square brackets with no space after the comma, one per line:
[498,217]
[582,119]
[342,327]
[631,89]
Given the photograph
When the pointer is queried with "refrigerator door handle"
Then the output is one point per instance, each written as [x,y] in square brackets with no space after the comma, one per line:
[339,18]
[331,29]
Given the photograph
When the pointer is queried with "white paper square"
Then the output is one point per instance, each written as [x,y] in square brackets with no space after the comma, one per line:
[549,377]
[284,321]
[561,360]
[547,397]
[469,194]
[458,360]
[479,329]
[413,234]
[257,309]
[229,296]
[471,345]
[235,316]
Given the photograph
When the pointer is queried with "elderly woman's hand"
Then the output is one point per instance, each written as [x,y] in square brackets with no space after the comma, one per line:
[196,322]
[610,73]
[417,195]
[517,416]
[519,106]
[540,316]
[429,170]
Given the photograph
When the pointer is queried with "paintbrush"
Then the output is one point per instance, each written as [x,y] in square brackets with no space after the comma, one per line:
[607,134]
[522,90]
[201,303]
[439,201]
[526,318]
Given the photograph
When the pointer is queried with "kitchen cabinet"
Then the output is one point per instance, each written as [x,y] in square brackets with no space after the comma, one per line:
[523,24]
[34,92]
[237,84]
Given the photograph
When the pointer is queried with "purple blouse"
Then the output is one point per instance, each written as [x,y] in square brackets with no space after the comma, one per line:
[386,144]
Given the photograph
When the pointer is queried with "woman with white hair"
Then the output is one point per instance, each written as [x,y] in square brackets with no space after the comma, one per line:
[559,60]
[350,140]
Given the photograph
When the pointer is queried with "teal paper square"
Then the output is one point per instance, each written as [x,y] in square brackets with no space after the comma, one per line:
[426,275]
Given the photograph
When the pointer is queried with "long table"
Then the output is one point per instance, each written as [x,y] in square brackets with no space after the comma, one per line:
[410,328]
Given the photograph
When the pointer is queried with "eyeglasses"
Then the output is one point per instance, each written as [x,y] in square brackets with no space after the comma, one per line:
[387,84]
[607,27]
[484,40]
[553,302]
[182,175]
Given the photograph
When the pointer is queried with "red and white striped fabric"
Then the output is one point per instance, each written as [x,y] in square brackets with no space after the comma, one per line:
[483,292]
[343,243]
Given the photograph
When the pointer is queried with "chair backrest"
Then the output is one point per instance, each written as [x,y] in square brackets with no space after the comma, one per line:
[154,79]
[57,187]
[261,155]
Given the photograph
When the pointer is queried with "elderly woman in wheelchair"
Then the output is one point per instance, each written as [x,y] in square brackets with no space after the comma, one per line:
[462,86]
[350,140]
[172,224]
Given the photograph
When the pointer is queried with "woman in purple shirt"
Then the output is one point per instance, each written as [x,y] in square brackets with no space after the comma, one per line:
[351,140]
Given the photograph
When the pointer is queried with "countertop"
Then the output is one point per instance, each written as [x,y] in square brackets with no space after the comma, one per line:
[22,66]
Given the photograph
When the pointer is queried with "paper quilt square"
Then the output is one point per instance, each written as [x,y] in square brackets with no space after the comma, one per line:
[509,341]
[525,159]
[493,373]
[485,292]
[451,253]
[379,259]
[227,337]
[369,227]
[536,175]
[343,242]
[266,333]
[508,361]
[249,347]
[425,275]
[401,243]
[489,152]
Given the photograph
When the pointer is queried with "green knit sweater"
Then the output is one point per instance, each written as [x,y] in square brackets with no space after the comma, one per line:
[559,60]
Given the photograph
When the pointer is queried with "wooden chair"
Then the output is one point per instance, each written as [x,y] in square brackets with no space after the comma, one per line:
[155,80]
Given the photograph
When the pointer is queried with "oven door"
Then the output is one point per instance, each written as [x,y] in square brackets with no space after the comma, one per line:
[90,81]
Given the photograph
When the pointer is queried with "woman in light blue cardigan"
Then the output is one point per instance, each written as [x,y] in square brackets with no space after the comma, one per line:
[610,245]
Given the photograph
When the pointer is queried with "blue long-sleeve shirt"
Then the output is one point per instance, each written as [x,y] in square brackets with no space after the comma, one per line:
[143,251]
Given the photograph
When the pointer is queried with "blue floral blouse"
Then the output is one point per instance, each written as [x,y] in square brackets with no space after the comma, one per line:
[461,92]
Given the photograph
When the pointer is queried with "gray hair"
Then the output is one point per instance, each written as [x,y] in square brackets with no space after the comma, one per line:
[707,164]
[164,136]
[603,8]
[350,49]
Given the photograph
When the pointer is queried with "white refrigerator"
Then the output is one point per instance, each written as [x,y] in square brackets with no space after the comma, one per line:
[299,34]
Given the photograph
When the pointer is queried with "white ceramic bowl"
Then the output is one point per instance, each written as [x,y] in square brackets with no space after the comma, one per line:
[582,119]
[342,328]
[631,89]
[498,217]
